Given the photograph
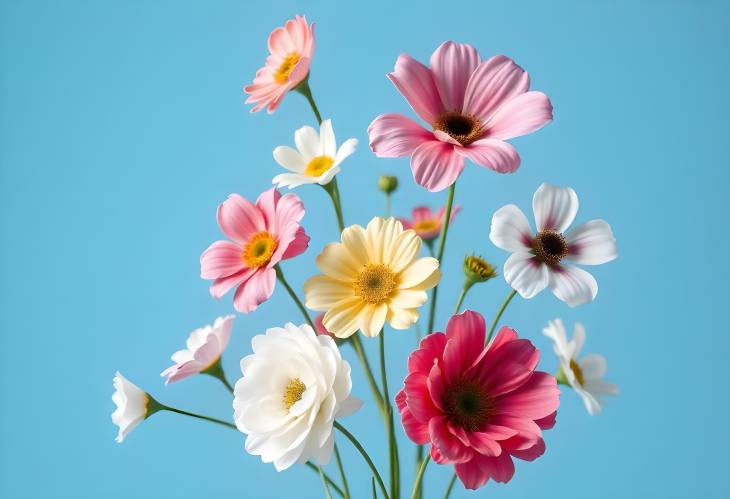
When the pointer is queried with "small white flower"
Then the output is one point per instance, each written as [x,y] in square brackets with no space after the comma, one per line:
[204,347]
[132,403]
[537,262]
[585,376]
[294,385]
[316,160]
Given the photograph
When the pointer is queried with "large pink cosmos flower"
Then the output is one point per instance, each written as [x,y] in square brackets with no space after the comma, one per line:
[471,106]
[426,222]
[478,406]
[291,48]
[262,235]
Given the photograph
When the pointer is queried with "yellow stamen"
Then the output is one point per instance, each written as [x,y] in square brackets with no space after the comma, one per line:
[258,250]
[427,225]
[286,67]
[318,165]
[293,392]
[577,371]
[375,283]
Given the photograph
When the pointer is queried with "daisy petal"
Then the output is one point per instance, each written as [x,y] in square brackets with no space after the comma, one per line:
[307,141]
[290,159]
[593,366]
[347,148]
[328,144]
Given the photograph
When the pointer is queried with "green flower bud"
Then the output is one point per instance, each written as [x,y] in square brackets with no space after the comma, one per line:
[388,184]
[477,269]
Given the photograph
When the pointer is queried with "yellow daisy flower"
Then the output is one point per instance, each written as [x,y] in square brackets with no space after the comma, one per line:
[372,277]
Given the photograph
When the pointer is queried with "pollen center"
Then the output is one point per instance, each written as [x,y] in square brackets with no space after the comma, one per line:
[318,165]
[287,66]
[293,392]
[427,225]
[259,249]
[468,406]
[375,283]
[577,371]
[550,247]
[464,128]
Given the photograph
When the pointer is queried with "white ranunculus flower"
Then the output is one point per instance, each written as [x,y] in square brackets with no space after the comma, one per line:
[132,405]
[316,159]
[538,260]
[585,376]
[294,385]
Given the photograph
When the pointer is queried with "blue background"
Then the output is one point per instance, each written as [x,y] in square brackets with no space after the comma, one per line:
[123,126]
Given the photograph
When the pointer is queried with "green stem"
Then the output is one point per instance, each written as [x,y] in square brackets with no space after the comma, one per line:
[282,280]
[331,482]
[392,444]
[324,483]
[360,352]
[365,456]
[333,190]
[387,205]
[419,478]
[216,370]
[440,254]
[303,88]
[464,290]
[198,416]
[506,301]
[450,487]
[342,473]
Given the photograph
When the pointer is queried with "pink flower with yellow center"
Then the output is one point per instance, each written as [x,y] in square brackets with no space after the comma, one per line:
[478,406]
[472,106]
[261,235]
[291,48]
[426,222]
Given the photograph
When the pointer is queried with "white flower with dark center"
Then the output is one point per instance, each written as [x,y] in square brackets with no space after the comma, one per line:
[585,376]
[316,159]
[539,260]
[132,405]
[294,385]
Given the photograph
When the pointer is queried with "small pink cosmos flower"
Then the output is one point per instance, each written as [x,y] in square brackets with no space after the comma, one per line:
[472,106]
[291,48]
[426,222]
[477,406]
[204,347]
[262,235]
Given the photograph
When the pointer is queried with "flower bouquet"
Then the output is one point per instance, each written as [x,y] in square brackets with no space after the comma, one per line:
[473,398]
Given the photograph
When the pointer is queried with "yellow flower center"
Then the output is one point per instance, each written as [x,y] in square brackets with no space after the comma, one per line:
[427,225]
[293,392]
[318,165]
[258,250]
[577,371]
[375,283]
[287,66]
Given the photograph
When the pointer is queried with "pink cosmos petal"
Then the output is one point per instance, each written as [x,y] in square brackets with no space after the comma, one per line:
[437,456]
[287,235]
[448,445]
[415,82]
[465,334]
[535,399]
[289,208]
[415,429]
[394,135]
[429,351]
[524,114]
[267,204]
[222,285]
[452,64]
[238,218]
[298,245]
[493,154]
[504,336]
[531,453]
[420,213]
[435,165]
[255,291]
[221,259]
[480,469]
[436,387]
[528,433]
[484,444]
[496,432]
[547,422]
[420,404]
[493,83]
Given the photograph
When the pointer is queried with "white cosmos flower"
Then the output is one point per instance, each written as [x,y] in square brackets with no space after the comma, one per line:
[585,376]
[294,385]
[538,260]
[131,402]
[317,158]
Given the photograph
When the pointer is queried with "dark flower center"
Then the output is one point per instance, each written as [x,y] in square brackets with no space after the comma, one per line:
[550,247]
[463,128]
[468,406]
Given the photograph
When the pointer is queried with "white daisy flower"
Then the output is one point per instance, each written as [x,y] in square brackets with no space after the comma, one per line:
[585,376]
[132,406]
[317,158]
[537,261]
[294,385]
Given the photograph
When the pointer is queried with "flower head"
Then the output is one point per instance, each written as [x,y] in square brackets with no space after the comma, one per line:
[291,48]
[426,222]
[262,235]
[294,385]
[317,158]
[477,269]
[538,259]
[132,406]
[204,348]
[472,106]
[372,277]
[477,406]
[584,375]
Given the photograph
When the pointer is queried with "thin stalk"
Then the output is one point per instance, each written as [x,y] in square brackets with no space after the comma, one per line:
[464,290]
[419,462]
[327,493]
[419,478]
[392,443]
[333,190]
[303,88]
[216,371]
[197,416]
[360,352]
[342,473]
[282,280]
[365,456]
[450,487]
[440,254]
[330,482]
[506,301]
[387,205]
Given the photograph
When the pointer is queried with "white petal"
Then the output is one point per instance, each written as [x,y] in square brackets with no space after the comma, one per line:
[594,366]
[347,148]
[555,207]
[579,338]
[599,387]
[349,406]
[290,159]
[593,405]
[328,145]
[327,176]
[307,140]
[292,180]
[555,330]
[525,274]
[573,285]
[510,229]
[591,243]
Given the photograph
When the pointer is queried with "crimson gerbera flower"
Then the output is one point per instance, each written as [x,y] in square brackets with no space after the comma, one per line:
[477,406]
